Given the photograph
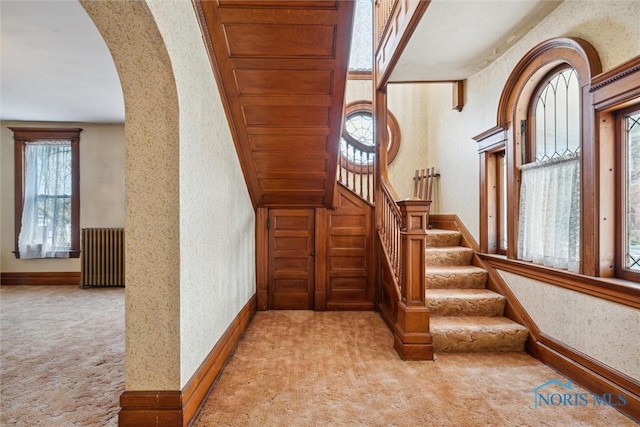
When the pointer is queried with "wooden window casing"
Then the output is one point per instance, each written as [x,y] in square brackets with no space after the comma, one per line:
[21,136]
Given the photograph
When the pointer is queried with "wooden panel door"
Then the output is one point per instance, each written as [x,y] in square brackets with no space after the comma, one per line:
[291,259]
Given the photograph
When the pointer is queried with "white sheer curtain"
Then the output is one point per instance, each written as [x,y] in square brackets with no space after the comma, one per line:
[549,226]
[46,213]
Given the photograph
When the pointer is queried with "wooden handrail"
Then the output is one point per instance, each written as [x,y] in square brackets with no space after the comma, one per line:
[390,230]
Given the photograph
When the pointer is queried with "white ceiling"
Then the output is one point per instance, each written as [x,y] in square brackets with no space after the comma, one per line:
[456,39]
[55,65]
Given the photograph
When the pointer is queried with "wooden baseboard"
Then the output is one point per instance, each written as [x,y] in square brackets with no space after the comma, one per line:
[598,379]
[200,384]
[41,278]
[179,408]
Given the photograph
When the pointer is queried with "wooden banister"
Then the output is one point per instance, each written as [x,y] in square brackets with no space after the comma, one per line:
[402,229]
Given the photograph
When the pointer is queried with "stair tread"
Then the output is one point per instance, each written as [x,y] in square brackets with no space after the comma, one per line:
[453,269]
[449,249]
[473,323]
[442,231]
[463,294]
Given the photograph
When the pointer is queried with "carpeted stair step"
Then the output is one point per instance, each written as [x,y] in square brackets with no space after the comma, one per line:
[437,237]
[465,302]
[456,277]
[448,255]
[477,334]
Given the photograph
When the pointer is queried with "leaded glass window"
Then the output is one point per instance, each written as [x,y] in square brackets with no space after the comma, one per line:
[632,187]
[557,116]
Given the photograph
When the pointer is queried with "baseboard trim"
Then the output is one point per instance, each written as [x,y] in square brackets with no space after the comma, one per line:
[201,383]
[41,278]
[150,408]
[601,380]
[179,408]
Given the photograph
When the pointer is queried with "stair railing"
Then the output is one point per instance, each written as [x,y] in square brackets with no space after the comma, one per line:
[356,171]
[389,232]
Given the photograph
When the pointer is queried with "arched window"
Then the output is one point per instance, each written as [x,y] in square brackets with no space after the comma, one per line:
[550,179]
[357,145]
[555,115]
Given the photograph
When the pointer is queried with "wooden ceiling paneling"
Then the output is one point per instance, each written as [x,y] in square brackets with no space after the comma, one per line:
[281,67]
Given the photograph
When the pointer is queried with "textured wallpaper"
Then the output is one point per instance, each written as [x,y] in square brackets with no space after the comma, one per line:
[152,203]
[604,330]
[217,221]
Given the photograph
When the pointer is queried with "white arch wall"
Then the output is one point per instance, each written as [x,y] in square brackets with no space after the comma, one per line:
[189,221]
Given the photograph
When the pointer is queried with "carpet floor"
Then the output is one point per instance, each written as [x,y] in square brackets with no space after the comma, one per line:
[61,355]
[303,368]
[62,364]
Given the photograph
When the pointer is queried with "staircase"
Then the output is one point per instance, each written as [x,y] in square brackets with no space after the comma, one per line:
[465,316]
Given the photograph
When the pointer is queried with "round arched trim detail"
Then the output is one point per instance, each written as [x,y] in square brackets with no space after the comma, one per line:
[392,125]
[576,52]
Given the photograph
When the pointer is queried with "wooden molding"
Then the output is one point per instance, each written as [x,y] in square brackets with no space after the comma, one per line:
[590,374]
[262,259]
[150,408]
[622,292]
[579,53]
[458,95]
[41,278]
[179,408]
[492,139]
[395,34]
[198,387]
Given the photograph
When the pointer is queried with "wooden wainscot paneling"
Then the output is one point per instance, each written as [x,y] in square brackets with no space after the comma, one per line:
[349,255]
[179,408]
[41,278]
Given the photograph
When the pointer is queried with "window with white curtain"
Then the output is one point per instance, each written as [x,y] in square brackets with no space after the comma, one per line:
[47,196]
[46,214]
[549,222]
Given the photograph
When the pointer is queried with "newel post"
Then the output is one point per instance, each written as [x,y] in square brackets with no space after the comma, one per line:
[412,340]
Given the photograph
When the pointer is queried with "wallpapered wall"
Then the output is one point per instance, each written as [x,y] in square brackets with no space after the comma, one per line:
[184,194]
[101,189]
[612,28]
[216,280]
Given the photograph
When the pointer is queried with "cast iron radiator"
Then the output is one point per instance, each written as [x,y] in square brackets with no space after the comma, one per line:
[102,255]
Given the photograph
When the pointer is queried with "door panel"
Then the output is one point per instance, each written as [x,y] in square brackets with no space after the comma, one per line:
[291,259]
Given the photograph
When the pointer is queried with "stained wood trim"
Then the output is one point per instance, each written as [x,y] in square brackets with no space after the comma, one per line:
[22,135]
[198,387]
[491,139]
[615,290]
[359,75]
[150,408]
[396,34]
[621,71]
[41,278]
[321,233]
[179,408]
[579,53]
[458,95]
[589,373]
[262,259]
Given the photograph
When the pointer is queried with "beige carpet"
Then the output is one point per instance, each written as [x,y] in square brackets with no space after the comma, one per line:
[339,369]
[61,355]
[61,363]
